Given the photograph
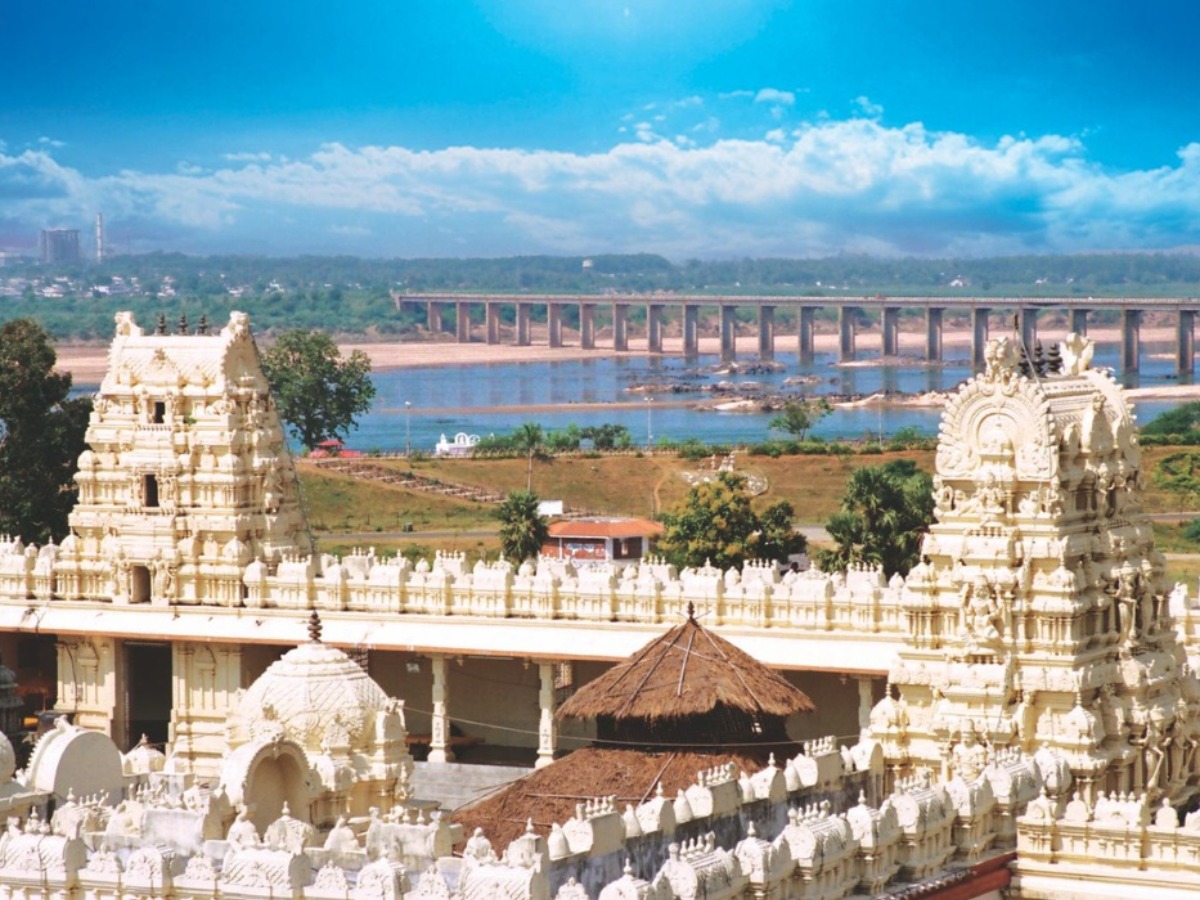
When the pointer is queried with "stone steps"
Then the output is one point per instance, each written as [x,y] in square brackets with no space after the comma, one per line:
[460,784]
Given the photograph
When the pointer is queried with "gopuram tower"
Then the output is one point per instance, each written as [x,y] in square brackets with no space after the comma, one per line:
[1037,616]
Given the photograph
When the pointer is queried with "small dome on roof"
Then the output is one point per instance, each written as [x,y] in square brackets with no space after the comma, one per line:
[310,687]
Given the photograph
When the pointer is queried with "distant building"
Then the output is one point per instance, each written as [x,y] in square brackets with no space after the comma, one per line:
[616,541]
[60,245]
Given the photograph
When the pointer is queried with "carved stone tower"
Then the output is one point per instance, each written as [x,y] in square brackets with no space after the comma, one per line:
[1037,616]
[187,477]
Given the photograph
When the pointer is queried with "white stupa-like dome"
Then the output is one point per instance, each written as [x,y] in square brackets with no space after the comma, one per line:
[312,691]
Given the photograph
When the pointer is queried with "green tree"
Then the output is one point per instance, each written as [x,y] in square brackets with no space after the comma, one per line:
[608,436]
[529,439]
[798,416]
[41,435]
[320,392]
[523,530]
[885,511]
[1180,420]
[717,524]
[1179,474]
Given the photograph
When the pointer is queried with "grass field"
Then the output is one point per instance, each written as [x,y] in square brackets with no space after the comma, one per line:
[610,485]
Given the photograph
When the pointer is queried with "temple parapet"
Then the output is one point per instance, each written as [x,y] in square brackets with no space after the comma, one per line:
[795,825]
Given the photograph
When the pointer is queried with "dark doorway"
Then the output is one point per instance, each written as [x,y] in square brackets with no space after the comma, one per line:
[147,692]
[139,585]
[150,492]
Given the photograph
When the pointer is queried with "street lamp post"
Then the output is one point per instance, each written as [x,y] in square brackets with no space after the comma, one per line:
[407,428]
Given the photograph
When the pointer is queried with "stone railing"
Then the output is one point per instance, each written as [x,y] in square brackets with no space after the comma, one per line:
[789,830]
[862,601]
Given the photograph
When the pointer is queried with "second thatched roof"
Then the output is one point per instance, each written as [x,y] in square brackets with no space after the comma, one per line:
[688,672]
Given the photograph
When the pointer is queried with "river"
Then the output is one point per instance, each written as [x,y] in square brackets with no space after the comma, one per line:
[448,399]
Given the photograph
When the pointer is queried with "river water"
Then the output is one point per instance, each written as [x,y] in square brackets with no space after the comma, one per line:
[448,399]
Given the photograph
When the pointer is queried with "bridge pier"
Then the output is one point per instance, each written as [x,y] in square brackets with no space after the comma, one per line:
[979,335]
[492,315]
[933,334]
[1185,349]
[891,331]
[524,338]
[433,317]
[1027,320]
[728,333]
[654,317]
[846,332]
[766,332]
[587,326]
[1131,323]
[554,325]
[691,330]
[620,325]
[462,322]
[805,350]
[1079,321]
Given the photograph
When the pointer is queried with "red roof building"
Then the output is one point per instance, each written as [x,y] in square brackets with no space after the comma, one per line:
[620,541]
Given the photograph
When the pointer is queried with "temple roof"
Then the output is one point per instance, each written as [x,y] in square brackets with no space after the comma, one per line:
[689,671]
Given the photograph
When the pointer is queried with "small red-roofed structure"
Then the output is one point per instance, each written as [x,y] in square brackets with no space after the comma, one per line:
[620,541]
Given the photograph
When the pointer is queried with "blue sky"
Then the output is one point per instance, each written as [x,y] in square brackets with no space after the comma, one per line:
[708,128]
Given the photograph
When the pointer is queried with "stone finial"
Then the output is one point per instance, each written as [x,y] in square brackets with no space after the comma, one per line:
[183,324]
[160,326]
[691,611]
[314,627]
[202,325]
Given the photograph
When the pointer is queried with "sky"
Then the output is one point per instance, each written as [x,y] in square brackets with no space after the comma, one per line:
[690,128]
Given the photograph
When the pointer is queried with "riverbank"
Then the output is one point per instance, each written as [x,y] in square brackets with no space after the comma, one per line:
[87,363]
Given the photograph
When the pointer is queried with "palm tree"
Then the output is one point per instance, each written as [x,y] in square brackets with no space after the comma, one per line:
[528,438]
[523,530]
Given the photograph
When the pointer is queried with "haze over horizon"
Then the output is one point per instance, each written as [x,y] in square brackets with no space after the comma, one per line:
[771,128]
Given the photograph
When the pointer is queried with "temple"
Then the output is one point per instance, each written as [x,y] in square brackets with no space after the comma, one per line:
[1016,715]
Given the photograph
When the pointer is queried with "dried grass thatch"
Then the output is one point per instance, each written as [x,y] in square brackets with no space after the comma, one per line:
[549,795]
[689,672]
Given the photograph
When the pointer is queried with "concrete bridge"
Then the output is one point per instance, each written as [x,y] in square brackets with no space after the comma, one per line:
[849,309]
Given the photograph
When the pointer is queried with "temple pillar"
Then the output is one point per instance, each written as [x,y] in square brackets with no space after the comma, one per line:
[439,720]
[205,679]
[891,331]
[462,322]
[493,322]
[1079,321]
[766,332]
[728,333]
[1131,322]
[979,335]
[620,326]
[1027,322]
[866,699]
[846,332]
[547,732]
[933,334]
[654,317]
[91,679]
[691,330]
[524,336]
[587,326]
[807,345]
[1185,347]
[554,325]
[433,317]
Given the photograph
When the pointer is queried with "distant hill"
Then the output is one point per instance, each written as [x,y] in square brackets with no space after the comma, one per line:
[355,295]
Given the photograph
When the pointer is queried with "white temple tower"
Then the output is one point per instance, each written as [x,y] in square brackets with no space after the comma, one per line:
[1037,616]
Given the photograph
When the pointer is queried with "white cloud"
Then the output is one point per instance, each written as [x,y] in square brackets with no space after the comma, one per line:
[775,96]
[51,142]
[867,108]
[261,156]
[824,187]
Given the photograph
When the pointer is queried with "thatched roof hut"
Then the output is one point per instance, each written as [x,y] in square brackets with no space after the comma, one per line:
[688,687]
